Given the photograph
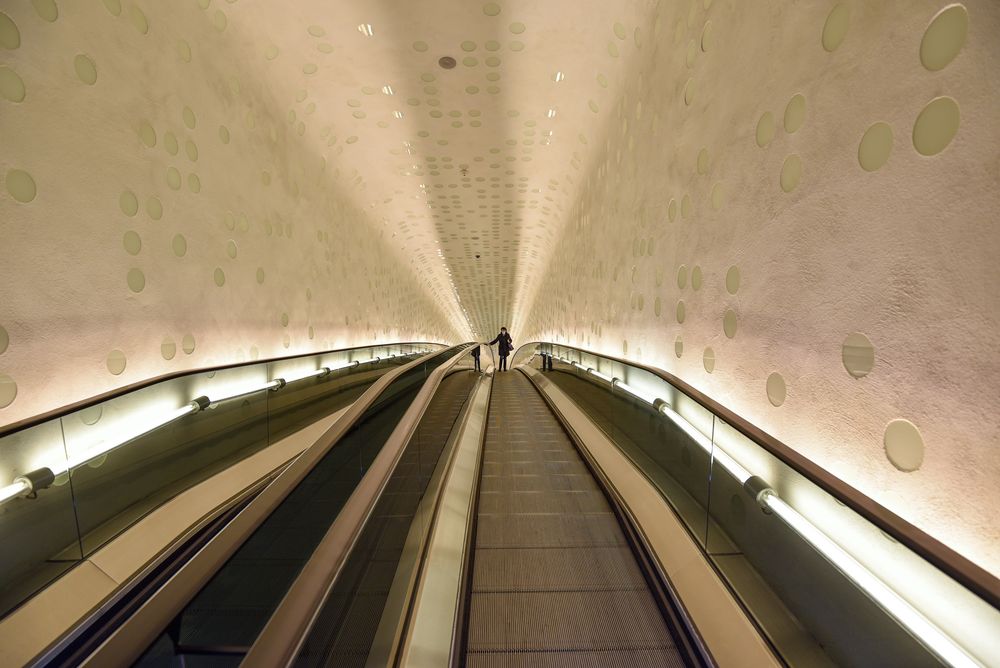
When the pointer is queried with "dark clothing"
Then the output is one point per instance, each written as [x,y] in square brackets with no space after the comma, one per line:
[506,344]
[503,363]
[475,356]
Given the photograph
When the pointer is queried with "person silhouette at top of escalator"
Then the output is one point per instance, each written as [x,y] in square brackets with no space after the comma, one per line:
[475,356]
[505,346]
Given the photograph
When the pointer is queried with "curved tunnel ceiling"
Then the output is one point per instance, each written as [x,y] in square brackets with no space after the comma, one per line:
[483,159]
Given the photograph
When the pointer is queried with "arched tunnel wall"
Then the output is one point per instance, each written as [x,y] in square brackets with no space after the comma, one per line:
[792,207]
[783,185]
[161,210]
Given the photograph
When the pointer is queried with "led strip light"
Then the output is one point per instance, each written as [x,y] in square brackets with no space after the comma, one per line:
[922,629]
[31,482]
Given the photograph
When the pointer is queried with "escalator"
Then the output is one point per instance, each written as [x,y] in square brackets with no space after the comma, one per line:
[554,575]
[496,484]
[229,612]
[347,625]
[218,621]
[555,578]
[220,624]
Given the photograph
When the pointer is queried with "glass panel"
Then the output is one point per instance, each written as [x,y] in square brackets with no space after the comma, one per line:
[130,454]
[668,449]
[813,613]
[118,478]
[39,538]
[787,583]
[303,400]
[524,353]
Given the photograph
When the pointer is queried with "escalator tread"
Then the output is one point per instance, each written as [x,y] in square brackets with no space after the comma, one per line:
[554,582]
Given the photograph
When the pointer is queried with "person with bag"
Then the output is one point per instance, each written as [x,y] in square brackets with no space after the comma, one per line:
[505,346]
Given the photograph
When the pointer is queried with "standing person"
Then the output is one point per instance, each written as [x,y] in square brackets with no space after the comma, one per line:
[475,356]
[505,346]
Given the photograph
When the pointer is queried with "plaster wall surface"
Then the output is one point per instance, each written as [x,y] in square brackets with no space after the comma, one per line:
[160,213]
[689,186]
[789,204]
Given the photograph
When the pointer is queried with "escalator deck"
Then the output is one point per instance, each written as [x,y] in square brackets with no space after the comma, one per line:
[554,581]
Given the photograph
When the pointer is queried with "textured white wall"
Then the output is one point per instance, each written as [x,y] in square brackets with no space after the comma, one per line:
[113,109]
[905,254]
[159,210]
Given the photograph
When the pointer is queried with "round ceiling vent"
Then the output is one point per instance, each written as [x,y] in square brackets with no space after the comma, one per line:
[447,62]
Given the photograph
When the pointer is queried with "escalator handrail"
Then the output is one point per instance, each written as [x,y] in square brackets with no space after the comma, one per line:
[279,643]
[970,575]
[135,635]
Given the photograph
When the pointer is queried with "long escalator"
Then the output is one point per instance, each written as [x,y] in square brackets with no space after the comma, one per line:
[555,571]
[556,575]
[221,621]
[220,624]
[555,581]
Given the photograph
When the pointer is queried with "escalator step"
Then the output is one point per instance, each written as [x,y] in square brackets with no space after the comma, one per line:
[557,569]
[615,658]
[565,621]
[530,531]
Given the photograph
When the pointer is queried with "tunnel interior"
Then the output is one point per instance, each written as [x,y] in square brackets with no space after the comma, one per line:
[791,206]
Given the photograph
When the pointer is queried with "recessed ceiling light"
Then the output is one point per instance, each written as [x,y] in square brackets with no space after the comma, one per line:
[366,29]
[397,114]
[387,89]
[558,76]
[551,113]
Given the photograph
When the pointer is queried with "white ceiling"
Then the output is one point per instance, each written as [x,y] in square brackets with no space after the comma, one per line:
[486,158]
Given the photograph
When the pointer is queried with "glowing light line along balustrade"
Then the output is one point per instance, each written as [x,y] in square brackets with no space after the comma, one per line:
[916,624]
[42,477]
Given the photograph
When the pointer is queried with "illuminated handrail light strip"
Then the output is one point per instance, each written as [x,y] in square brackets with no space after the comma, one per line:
[311,374]
[42,477]
[17,488]
[602,376]
[922,629]
[717,453]
[916,624]
[242,392]
[322,371]
[96,451]
[638,394]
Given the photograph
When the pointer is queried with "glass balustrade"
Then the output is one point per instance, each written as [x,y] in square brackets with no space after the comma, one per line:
[826,584]
[72,483]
